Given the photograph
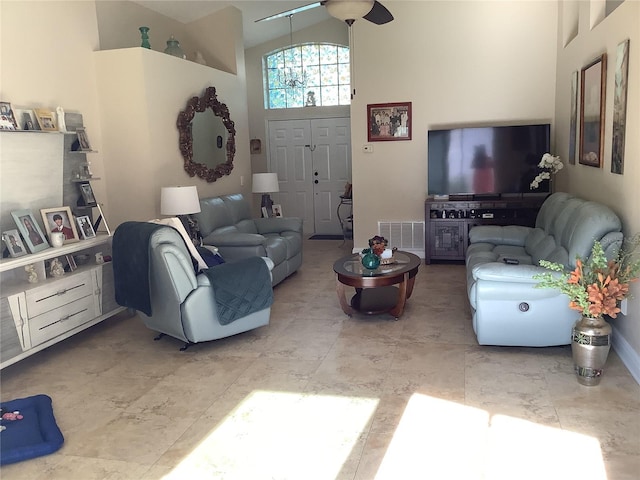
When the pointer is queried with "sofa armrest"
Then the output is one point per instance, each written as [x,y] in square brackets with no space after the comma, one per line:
[499,235]
[502,272]
[234,240]
[278,225]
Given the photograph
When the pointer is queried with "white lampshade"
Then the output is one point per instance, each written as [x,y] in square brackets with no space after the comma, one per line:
[349,9]
[265,183]
[179,200]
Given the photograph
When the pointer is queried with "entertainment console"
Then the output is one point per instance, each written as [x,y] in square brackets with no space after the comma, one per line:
[447,222]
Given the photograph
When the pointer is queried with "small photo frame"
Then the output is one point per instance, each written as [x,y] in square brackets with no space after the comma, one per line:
[46,120]
[388,122]
[265,212]
[86,229]
[276,210]
[60,219]
[255,146]
[7,119]
[30,230]
[14,243]
[592,101]
[83,139]
[71,262]
[88,199]
[26,119]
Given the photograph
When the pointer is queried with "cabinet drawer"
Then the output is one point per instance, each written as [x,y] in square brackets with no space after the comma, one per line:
[58,293]
[56,322]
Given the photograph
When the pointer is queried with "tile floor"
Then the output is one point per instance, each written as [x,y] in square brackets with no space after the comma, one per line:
[318,395]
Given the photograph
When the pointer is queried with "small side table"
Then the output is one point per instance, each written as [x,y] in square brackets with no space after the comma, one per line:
[346,224]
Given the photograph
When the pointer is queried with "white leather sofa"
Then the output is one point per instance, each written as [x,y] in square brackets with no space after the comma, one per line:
[507,308]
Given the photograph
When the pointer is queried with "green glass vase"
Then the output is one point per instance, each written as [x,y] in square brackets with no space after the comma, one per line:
[144,32]
[370,261]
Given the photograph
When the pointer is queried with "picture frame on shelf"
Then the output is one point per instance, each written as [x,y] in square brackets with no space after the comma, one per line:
[7,118]
[46,119]
[83,140]
[60,219]
[30,230]
[276,208]
[592,109]
[71,262]
[26,119]
[14,243]
[85,227]
[87,197]
[620,86]
[388,121]
[265,212]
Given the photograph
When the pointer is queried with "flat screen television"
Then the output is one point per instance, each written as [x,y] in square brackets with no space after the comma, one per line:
[486,160]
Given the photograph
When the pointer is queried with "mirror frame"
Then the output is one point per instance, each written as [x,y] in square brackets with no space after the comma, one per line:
[208,99]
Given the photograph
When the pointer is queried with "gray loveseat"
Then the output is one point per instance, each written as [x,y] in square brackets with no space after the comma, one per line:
[225,222]
[507,309]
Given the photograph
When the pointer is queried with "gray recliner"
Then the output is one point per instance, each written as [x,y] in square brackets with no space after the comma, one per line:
[180,303]
[226,223]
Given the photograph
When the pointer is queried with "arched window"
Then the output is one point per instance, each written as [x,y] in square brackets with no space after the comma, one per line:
[324,67]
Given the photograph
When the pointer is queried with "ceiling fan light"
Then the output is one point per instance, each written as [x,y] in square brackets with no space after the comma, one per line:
[349,9]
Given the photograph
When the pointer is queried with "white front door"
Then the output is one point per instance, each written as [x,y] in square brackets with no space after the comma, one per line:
[313,161]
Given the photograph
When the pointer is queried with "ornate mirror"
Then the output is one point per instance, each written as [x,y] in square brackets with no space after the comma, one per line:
[207,137]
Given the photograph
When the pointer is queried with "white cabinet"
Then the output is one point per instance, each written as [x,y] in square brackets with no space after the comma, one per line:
[35,316]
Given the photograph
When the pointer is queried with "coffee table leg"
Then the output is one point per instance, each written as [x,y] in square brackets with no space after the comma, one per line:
[412,280]
[402,297]
[342,298]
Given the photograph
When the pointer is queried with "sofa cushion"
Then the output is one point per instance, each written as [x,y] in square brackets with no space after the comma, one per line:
[214,215]
[237,207]
[539,245]
[276,249]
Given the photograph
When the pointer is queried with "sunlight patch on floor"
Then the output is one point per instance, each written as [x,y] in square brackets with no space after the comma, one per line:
[453,441]
[280,435]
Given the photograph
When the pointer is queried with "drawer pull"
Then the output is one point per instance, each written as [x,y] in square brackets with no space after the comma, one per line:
[63,319]
[59,293]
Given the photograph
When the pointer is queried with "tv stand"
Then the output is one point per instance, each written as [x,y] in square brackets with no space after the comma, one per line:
[447,222]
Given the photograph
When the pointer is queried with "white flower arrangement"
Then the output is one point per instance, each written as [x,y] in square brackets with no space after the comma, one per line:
[551,165]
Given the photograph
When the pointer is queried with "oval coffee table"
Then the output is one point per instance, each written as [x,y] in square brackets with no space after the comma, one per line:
[375,289]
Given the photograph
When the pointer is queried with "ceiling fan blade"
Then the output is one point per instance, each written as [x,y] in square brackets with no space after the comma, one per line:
[378,14]
[293,11]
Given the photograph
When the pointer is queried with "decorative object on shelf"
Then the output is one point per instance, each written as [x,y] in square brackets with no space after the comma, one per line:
[99,258]
[311,99]
[182,202]
[30,230]
[7,119]
[620,107]
[595,288]
[56,269]
[57,239]
[144,33]
[550,165]
[198,58]
[86,229]
[378,244]
[14,244]
[46,119]
[592,111]
[388,121]
[32,275]
[71,263]
[87,197]
[196,121]
[83,143]
[26,119]
[277,210]
[173,48]
[60,219]
[62,126]
[265,183]
[370,260]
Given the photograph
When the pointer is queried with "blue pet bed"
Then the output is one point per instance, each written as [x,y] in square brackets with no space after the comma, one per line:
[35,435]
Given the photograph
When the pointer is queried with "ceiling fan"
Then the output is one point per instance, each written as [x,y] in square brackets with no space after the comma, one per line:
[347,10]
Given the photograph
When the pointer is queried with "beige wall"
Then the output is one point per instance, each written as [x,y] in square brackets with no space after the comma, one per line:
[620,192]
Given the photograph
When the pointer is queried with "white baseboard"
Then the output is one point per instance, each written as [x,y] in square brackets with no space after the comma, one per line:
[628,355]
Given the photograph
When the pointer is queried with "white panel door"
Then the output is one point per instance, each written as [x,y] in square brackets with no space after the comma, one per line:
[313,161]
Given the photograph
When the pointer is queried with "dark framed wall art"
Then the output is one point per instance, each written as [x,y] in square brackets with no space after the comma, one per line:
[620,107]
[389,121]
[592,103]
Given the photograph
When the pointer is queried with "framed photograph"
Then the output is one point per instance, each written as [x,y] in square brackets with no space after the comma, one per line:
[71,262]
[86,229]
[276,208]
[265,212]
[7,119]
[46,119]
[60,219]
[592,100]
[87,196]
[620,107]
[255,146]
[573,121]
[389,121]
[26,119]
[14,243]
[30,230]
[83,139]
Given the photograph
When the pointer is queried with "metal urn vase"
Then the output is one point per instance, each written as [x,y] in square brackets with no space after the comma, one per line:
[590,344]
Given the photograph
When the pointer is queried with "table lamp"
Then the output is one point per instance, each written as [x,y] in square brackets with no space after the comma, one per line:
[182,202]
[265,183]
